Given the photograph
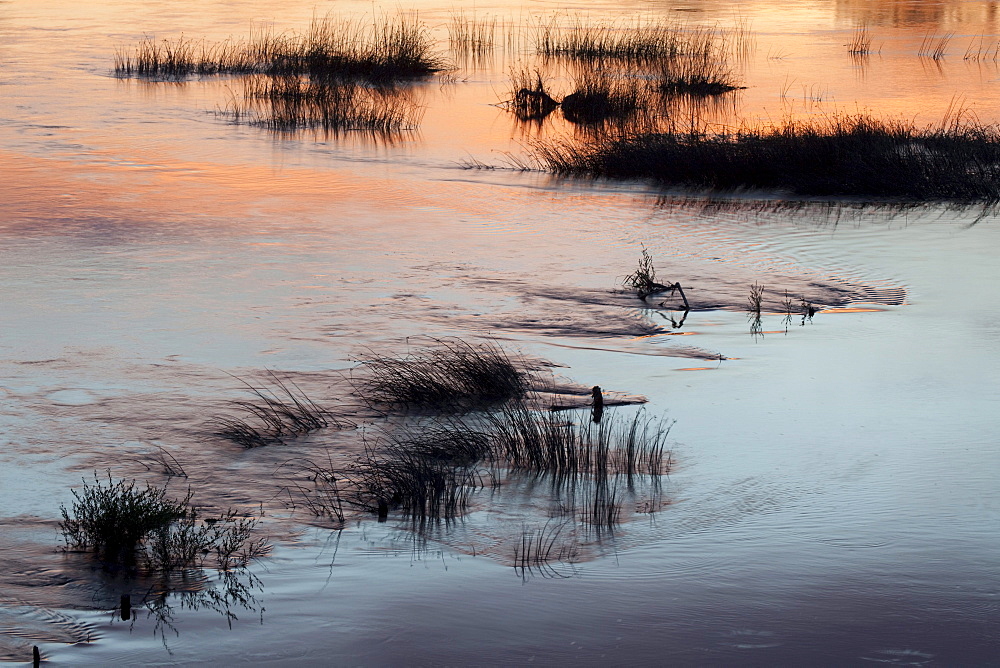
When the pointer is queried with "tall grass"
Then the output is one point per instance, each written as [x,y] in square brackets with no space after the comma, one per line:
[599,95]
[700,74]
[530,99]
[845,155]
[453,375]
[638,41]
[384,50]
[279,411]
[529,440]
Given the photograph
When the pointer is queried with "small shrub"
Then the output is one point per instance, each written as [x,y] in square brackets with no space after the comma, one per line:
[129,526]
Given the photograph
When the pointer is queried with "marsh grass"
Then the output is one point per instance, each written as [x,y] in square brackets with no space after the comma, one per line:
[393,476]
[861,41]
[755,303]
[290,103]
[452,375]
[471,35]
[540,550]
[698,75]
[530,98]
[637,42]
[524,439]
[128,526]
[599,95]
[384,50]
[935,47]
[280,411]
[840,156]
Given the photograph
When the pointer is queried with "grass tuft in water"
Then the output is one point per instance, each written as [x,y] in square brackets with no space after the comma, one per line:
[386,50]
[453,375]
[840,156]
[599,95]
[545,442]
[279,412]
[698,75]
[126,525]
[530,98]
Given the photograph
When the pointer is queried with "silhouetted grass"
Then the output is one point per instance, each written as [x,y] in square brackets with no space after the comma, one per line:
[701,74]
[393,476]
[453,375]
[861,41]
[529,99]
[126,525]
[546,442]
[278,412]
[599,95]
[934,47]
[857,156]
[290,103]
[540,549]
[639,41]
[386,50]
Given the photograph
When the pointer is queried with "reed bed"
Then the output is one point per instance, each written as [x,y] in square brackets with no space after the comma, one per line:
[386,50]
[454,375]
[289,103]
[636,42]
[279,411]
[840,156]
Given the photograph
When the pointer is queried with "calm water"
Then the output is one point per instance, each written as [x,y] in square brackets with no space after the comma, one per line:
[834,500]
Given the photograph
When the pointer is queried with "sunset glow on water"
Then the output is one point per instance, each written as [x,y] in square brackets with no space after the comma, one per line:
[827,492]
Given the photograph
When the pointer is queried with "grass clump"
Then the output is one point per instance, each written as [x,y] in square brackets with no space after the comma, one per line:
[530,99]
[279,412]
[386,50]
[454,375]
[395,476]
[544,442]
[126,525]
[640,42]
[849,156]
[699,75]
[599,96]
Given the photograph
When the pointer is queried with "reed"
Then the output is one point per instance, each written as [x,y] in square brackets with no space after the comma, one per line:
[385,50]
[861,41]
[454,375]
[392,476]
[599,95]
[545,442]
[934,47]
[844,155]
[636,42]
[280,411]
[700,75]
[530,98]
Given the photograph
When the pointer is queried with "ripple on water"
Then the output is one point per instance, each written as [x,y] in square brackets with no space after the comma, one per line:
[72,397]
[23,625]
